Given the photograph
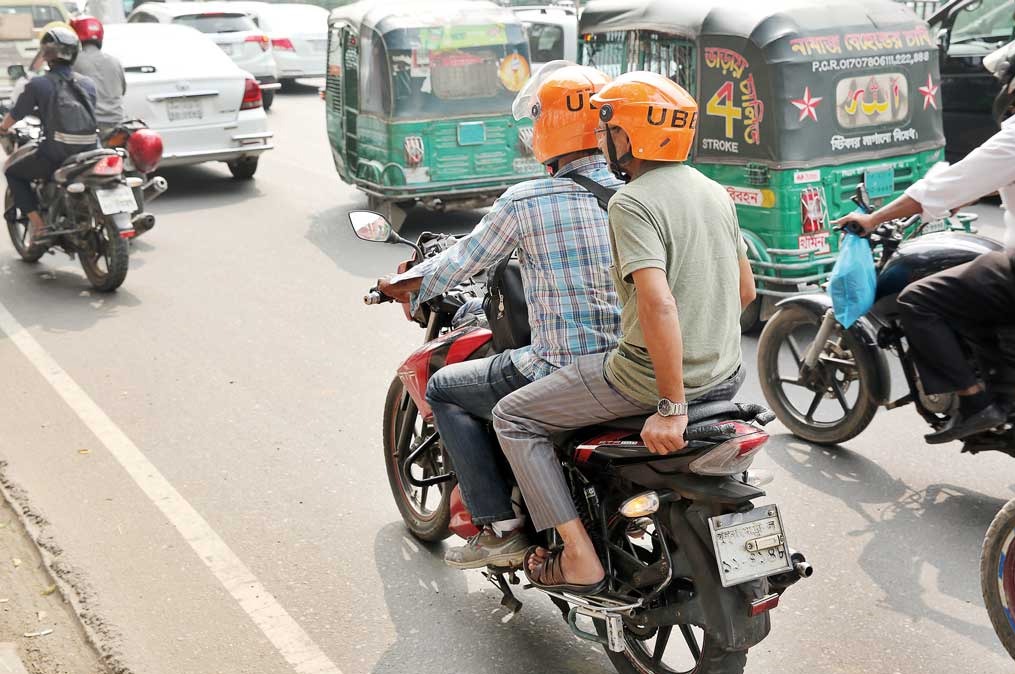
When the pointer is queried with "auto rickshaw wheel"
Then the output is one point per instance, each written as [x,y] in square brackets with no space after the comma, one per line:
[393,212]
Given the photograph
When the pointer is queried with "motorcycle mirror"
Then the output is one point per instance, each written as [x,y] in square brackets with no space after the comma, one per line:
[16,71]
[371,226]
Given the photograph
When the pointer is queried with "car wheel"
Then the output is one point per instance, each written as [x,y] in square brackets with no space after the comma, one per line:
[243,169]
[267,98]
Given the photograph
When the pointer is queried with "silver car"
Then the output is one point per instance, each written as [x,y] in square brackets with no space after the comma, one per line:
[232,29]
[299,36]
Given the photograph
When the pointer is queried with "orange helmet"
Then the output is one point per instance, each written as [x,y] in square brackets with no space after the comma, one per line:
[559,101]
[658,115]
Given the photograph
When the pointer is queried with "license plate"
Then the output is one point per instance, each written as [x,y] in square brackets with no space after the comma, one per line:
[942,225]
[818,243]
[119,199]
[184,109]
[880,182]
[749,545]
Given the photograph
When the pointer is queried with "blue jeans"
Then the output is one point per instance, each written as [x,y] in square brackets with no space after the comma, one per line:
[462,396]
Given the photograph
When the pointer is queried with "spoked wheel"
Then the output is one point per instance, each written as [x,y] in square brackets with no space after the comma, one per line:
[997,575]
[829,403]
[18,227]
[425,510]
[105,256]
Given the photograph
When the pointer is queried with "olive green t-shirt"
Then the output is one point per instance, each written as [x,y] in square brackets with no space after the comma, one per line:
[675,219]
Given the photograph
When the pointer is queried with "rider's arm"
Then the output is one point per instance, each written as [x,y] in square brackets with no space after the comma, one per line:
[493,239]
[748,292]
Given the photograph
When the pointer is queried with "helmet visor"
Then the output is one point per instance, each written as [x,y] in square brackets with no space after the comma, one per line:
[526,98]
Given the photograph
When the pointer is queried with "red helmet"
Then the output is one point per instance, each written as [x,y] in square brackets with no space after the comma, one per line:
[88,28]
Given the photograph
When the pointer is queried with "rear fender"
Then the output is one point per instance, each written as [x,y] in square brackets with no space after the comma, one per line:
[723,612]
[864,330]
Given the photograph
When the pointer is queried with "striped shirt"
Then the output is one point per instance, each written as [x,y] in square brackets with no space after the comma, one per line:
[562,238]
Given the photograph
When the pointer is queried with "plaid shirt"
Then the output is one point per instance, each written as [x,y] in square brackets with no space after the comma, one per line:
[562,237]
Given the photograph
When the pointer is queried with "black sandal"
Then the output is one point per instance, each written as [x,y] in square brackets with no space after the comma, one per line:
[550,575]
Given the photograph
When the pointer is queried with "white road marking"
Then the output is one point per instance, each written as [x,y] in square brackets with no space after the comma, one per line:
[289,639]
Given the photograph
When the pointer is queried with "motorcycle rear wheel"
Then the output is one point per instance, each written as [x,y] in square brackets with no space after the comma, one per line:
[845,363]
[18,230]
[997,575]
[426,511]
[107,258]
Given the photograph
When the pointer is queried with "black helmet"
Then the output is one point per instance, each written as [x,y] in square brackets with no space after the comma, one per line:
[1001,65]
[60,44]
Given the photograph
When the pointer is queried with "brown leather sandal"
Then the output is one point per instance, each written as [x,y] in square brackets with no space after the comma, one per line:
[550,575]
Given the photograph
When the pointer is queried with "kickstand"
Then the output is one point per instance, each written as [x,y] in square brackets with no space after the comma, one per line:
[508,601]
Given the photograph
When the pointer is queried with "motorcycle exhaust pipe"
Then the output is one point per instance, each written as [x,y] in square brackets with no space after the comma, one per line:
[154,188]
[801,569]
[143,222]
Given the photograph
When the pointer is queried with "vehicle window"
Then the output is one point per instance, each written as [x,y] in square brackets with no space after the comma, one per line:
[989,21]
[375,85]
[41,14]
[872,100]
[217,22]
[620,52]
[546,42]
[143,17]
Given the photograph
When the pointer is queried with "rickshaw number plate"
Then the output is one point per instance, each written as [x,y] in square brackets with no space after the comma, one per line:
[749,545]
[879,182]
[471,133]
[819,243]
[184,108]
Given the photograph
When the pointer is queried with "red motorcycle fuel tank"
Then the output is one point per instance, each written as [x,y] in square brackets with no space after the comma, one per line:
[454,347]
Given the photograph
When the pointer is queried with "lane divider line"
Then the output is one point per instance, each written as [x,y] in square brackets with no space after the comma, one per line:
[285,634]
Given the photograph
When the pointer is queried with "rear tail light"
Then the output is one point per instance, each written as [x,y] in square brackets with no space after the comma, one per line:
[283,43]
[251,95]
[261,40]
[145,150]
[108,166]
[413,151]
[762,605]
[812,210]
[733,456]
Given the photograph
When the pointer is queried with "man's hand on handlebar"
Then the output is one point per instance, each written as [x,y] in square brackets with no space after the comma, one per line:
[400,291]
[861,224]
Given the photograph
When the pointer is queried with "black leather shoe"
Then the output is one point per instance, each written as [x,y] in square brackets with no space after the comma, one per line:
[959,427]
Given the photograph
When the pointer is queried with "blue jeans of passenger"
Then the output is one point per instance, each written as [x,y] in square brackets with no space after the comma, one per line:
[462,397]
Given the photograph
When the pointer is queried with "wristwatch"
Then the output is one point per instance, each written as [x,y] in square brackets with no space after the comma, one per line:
[668,408]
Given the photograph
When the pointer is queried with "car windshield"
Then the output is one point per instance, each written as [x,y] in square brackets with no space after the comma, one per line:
[217,22]
[986,21]
[41,14]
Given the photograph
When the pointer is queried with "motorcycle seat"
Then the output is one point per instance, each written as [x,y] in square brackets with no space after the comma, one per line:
[75,164]
[696,413]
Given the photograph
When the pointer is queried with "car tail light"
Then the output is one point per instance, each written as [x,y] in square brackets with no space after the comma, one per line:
[283,43]
[145,150]
[414,151]
[108,166]
[812,210]
[261,40]
[251,95]
[733,456]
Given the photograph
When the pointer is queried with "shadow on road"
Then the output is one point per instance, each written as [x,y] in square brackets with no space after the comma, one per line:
[200,187]
[914,537]
[443,627]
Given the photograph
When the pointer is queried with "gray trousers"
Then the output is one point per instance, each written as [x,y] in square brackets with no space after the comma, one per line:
[572,397]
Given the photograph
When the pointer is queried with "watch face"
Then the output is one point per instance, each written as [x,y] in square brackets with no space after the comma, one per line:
[665,407]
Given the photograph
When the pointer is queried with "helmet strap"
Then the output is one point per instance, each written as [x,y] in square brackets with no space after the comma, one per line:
[616,163]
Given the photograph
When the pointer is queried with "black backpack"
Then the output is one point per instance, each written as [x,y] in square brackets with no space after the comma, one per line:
[507,312]
[71,118]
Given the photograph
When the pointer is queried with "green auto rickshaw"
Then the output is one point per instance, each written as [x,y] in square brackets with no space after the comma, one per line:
[418,98]
[800,102]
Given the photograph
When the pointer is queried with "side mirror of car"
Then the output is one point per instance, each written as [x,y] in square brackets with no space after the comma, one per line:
[943,39]
[371,226]
[16,72]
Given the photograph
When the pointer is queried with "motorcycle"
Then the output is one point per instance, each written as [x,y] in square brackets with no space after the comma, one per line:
[825,383]
[997,575]
[90,205]
[683,544]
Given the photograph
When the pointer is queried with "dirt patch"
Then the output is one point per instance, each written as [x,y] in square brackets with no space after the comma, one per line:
[30,602]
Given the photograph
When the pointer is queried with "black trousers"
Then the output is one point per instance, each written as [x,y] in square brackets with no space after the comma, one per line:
[975,298]
[22,172]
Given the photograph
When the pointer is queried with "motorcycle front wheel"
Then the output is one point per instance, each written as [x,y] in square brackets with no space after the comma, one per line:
[105,257]
[997,575]
[426,511]
[828,404]
[17,227]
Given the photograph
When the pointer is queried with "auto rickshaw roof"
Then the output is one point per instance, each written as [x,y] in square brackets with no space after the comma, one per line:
[761,22]
[389,15]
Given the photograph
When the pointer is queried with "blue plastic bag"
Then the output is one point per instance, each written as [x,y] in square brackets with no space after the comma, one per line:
[853,281]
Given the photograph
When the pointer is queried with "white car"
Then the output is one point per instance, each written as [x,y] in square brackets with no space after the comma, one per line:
[552,32]
[181,84]
[299,36]
[231,29]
